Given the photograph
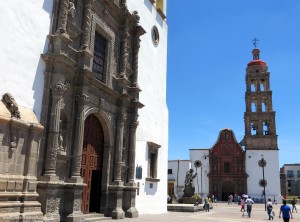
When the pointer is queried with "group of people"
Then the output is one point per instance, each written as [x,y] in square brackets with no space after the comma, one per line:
[285,210]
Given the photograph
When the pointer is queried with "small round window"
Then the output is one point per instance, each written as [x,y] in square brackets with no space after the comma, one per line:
[155,35]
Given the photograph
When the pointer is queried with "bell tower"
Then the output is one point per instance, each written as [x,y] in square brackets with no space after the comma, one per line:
[260,138]
[260,128]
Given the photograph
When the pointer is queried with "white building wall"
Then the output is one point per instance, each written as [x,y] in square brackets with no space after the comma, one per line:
[153,118]
[255,173]
[201,154]
[25,26]
[179,168]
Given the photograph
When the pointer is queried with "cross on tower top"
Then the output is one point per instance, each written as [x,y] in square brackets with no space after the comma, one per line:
[255,42]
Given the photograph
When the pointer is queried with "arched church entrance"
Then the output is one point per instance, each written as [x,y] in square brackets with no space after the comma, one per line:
[91,164]
[227,189]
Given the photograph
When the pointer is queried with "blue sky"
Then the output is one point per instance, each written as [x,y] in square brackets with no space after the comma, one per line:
[209,46]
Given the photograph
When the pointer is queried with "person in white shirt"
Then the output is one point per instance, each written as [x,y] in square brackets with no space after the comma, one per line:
[269,209]
[249,203]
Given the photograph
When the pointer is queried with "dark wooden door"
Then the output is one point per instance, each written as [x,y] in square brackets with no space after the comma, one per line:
[91,165]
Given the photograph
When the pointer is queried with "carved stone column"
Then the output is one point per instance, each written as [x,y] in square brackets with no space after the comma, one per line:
[119,148]
[130,192]
[79,133]
[136,47]
[131,159]
[86,25]
[125,52]
[63,16]
[57,104]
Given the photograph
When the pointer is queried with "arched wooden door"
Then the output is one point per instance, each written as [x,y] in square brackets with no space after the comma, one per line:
[227,189]
[91,164]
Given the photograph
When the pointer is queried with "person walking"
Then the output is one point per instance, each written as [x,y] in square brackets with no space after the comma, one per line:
[206,202]
[249,203]
[270,209]
[294,205]
[243,205]
[286,212]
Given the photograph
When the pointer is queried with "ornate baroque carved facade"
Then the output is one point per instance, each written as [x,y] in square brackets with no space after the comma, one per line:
[90,93]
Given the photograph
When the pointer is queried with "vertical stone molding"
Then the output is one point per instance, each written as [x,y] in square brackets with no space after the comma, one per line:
[118,150]
[86,26]
[57,103]
[131,159]
[139,31]
[63,16]
[125,52]
[79,133]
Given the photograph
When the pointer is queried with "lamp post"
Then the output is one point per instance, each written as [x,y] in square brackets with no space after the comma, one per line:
[198,164]
[201,182]
[177,176]
[262,163]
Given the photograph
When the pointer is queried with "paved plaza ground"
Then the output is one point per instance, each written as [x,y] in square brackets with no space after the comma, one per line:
[222,212]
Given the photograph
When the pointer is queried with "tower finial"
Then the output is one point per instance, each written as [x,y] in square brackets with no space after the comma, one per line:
[255,42]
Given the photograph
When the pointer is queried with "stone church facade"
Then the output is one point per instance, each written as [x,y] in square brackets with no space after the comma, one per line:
[76,153]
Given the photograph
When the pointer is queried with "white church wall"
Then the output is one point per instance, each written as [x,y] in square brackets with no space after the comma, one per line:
[25,26]
[153,117]
[179,169]
[255,172]
[202,155]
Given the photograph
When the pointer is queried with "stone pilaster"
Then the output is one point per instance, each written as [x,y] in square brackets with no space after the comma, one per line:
[131,159]
[86,26]
[57,103]
[125,52]
[79,133]
[119,148]
[63,16]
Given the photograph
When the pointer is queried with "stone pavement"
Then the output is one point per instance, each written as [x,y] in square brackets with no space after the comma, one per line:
[221,212]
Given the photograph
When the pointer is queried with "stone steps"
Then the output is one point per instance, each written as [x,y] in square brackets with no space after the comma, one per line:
[93,217]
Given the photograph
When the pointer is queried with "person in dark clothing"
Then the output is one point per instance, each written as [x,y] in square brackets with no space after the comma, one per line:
[294,205]
[286,212]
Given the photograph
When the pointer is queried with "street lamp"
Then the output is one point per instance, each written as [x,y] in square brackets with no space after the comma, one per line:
[177,177]
[198,164]
[263,183]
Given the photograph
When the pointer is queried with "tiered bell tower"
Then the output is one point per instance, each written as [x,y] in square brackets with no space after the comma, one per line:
[260,138]
[260,129]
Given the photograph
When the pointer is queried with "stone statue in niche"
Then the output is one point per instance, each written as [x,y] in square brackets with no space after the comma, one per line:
[72,11]
[60,141]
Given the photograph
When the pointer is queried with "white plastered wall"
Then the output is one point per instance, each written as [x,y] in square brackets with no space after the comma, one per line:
[153,117]
[24,28]
[202,155]
[255,172]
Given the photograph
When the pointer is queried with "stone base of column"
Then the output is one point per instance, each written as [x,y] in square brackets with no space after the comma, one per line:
[75,180]
[118,213]
[60,201]
[132,213]
[49,178]
[129,202]
[116,202]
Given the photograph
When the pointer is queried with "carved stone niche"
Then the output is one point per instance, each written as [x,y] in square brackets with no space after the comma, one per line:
[20,132]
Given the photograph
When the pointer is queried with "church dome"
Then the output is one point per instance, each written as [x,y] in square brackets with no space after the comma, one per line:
[256,61]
